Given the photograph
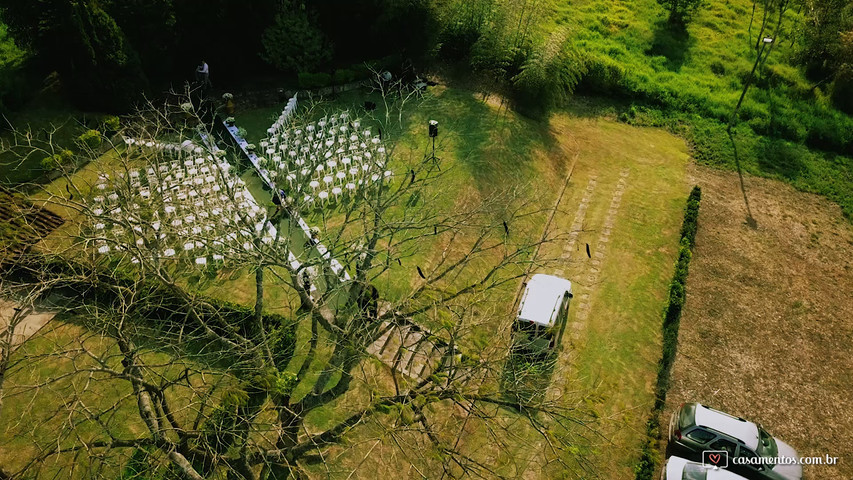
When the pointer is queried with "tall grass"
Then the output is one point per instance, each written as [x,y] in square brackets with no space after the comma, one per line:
[633,52]
[689,80]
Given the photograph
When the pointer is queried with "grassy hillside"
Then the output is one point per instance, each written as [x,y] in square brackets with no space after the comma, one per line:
[689,80]
[634,52]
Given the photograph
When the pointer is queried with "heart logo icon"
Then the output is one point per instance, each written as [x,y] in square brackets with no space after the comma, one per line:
[714,457]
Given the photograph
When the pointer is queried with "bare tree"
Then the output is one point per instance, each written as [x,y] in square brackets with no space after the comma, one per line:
[321,388]
[769,33]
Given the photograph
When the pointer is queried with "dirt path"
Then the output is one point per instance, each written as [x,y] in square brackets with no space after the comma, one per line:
[26,322]
[768,324]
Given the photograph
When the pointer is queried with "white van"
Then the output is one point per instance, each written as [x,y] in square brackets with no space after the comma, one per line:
[542,312]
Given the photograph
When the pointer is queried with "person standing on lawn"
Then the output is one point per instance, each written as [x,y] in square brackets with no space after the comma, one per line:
[202,74]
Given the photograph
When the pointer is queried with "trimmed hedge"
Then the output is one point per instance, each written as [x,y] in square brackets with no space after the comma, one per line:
[647,464]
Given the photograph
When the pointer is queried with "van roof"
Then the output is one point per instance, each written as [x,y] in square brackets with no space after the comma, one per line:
[541,299]
[745,431]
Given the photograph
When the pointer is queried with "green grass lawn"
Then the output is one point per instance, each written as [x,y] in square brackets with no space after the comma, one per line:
[485,149]
[52,122]
[613,363]
[44,405]
[614,348]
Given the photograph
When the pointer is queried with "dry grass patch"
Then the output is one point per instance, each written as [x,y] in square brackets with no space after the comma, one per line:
[768,323]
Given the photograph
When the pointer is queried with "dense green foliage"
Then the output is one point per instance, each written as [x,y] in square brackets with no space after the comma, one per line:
[550,73]
[84,44]
[108,52]
[90,139]
[294,42]
[702,70]
[13,82]
[502,44]
[826,36]
[680,10]
[672,316]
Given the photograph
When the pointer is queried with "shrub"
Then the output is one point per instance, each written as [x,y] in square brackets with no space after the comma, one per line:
[66,155]
[842,91]
[51,162]
[457,39]
[361,71]
[605,76]
[111,124]
[691,217]
[57,160]
[549,75]
[343,76]
[241,132]
[717,68]
[91,139]
[314,80]
[294,42]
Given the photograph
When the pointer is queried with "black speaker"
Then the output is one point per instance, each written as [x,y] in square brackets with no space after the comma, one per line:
[433,128]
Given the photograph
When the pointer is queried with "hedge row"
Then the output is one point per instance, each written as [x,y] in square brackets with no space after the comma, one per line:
[647,464]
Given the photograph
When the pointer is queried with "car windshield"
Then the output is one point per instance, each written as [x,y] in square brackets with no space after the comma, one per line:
[688,413]
[694,471]
[531,329]
[766,444]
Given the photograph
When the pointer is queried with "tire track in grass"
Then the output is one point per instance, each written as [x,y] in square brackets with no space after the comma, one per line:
[598,257]
[558,381]
[577,225]
[556,385]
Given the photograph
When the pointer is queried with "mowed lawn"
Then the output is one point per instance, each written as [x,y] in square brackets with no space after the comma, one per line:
[611,352]
[611,346]
[768,322]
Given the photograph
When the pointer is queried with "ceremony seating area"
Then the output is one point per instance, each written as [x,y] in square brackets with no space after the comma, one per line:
[185,202]
[322,162]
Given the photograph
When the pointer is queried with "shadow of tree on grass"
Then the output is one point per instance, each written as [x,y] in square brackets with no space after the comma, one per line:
[673,42]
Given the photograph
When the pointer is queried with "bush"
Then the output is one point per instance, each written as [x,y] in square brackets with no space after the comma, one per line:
[842,91]
[294,42]
[111,124]
[457,39]
[360,71]
[51,162]
[343,76]
[691,217]
[91,139]
[57,160]
[604,76]
[549,75]
[314,80]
